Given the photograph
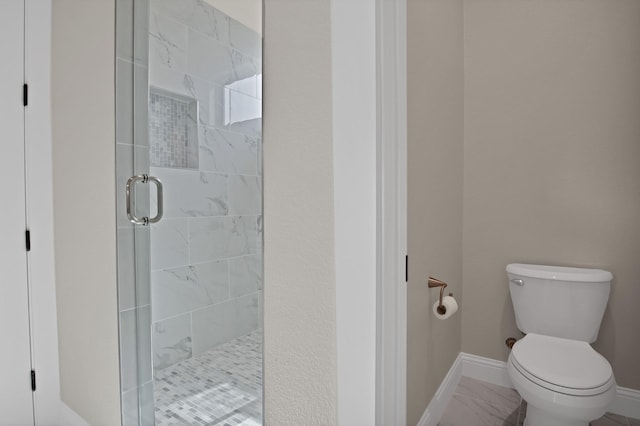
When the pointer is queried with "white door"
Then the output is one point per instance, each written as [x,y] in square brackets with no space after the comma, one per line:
[16,405]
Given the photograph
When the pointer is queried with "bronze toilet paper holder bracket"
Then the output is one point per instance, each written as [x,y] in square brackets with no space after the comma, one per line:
[434,282]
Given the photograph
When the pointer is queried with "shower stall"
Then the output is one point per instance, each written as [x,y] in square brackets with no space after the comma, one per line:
[189,210]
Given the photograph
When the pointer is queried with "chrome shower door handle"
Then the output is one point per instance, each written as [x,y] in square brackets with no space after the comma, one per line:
[160,202]
[517,281]
[144,221]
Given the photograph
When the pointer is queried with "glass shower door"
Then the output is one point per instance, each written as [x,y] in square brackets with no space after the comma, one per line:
[133,239]
[190,284]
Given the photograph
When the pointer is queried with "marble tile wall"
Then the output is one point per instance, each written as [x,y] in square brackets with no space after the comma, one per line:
[206,253]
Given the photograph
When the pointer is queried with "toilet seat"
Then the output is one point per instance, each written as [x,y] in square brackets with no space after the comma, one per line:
[561,365]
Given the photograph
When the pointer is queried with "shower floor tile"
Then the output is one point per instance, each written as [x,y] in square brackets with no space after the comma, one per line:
[222,386]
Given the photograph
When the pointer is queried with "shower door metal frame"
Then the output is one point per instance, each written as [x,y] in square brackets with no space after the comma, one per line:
[132,165]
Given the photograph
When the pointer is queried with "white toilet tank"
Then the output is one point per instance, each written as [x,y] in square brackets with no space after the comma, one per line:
[559,301]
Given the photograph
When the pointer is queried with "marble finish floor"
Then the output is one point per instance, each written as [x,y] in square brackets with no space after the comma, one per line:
[477,403]
[222,386]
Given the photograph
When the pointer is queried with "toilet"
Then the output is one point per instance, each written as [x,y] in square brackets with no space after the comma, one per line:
[554,368]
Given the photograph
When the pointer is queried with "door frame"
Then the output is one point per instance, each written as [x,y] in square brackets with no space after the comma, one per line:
[391,348]
[16,393]
[369,148]
[39,191]
[48,407]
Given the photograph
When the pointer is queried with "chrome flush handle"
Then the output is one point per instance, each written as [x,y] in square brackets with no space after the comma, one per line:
[517,281]
[144,221]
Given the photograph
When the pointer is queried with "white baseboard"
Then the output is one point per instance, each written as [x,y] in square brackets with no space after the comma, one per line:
[438,404]
[627,402]
[485,369]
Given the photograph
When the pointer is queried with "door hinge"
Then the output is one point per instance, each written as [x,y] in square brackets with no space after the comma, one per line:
[25,94]
[27,238]
[33,380]
[406,268]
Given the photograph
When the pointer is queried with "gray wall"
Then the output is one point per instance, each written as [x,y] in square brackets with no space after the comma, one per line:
[83,123]
[548,167]
[435,141]
[299,323]
[551,160]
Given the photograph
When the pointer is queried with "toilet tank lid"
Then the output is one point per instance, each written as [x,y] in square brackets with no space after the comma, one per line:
[560,273]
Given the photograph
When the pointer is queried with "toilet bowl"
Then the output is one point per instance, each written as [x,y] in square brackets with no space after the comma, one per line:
[565,382]
[554,368]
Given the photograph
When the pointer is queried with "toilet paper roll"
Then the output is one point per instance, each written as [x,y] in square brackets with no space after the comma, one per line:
[450,304]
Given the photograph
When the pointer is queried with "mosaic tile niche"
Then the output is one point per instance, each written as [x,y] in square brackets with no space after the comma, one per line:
[173,131]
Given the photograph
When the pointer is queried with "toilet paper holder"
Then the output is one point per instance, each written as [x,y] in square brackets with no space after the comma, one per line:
[434,282]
